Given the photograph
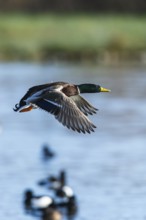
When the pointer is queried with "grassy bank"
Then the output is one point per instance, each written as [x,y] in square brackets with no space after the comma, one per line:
[39,37]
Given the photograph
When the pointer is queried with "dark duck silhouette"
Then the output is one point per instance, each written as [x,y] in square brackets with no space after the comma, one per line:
[63,100]
[57,183]
[54,182]
[47,153]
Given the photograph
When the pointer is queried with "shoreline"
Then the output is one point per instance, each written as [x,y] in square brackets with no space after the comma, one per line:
[102,58]
[105,39]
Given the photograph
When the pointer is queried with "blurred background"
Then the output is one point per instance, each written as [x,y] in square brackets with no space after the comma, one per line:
[102,42]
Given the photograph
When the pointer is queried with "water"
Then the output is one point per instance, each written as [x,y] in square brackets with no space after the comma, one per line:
[106,169]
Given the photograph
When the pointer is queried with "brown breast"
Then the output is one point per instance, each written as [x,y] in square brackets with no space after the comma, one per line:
[70,90]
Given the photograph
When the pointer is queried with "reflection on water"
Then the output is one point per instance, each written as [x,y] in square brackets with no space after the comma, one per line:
[107,169]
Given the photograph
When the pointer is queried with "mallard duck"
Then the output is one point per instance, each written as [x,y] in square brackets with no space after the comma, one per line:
[63,100]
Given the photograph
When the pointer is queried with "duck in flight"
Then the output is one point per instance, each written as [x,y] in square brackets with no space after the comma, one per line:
[63,100]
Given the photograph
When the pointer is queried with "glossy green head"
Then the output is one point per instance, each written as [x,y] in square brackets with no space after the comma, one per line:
[91,88]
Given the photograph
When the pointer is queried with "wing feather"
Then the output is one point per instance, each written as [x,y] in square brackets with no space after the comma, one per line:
[83,105]
[65,111]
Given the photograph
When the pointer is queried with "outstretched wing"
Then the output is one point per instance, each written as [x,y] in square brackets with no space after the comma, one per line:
[83,105]
[65,111]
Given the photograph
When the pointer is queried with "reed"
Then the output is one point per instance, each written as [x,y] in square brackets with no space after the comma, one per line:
[39,36]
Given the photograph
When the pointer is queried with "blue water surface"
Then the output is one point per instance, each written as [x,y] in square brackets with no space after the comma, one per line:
[106,169]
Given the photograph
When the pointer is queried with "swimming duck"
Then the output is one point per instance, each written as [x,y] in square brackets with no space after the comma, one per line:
[44,204]
[47,153]
[65,191]
[54,182]
[57,182]
[36,203]
[70,202]
[63,100]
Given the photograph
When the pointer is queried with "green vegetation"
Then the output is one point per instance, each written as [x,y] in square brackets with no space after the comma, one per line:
[39,37]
